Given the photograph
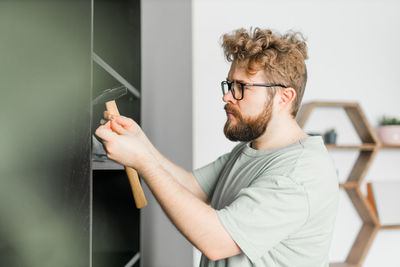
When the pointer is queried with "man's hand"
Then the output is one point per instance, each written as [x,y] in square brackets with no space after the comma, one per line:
[125,142]
[126,123]
[176,190]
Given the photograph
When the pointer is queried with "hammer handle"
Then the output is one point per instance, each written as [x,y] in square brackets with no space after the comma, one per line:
[138,195]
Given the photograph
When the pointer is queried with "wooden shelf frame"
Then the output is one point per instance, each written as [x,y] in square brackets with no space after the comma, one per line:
[388,227]
[358,147]
[341,264]
[367,151]
[385,146]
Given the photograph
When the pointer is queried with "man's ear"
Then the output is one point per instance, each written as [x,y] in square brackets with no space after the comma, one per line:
[286,97]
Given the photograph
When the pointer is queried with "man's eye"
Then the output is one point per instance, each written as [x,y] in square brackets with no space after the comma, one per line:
[236,86]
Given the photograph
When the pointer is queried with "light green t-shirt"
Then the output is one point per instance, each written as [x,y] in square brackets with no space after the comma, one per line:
[278,205]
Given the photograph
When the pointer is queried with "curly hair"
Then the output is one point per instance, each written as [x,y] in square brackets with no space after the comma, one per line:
[280,56]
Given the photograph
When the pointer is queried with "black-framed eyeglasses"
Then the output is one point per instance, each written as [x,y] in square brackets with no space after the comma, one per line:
[237,88]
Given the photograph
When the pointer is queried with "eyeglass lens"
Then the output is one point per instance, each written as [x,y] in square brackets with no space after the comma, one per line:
[236,89]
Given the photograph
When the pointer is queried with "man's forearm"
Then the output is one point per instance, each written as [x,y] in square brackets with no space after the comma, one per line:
[182,176]
[196,220]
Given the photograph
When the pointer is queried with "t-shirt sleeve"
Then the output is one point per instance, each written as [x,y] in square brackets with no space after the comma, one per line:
[207,176]
[265,213]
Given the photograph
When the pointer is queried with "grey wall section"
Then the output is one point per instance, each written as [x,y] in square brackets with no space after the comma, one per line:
[166,117]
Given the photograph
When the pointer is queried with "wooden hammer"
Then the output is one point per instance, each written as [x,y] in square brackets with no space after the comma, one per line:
[109,96]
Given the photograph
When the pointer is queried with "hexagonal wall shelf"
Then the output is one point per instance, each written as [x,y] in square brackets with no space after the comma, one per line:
[368,148]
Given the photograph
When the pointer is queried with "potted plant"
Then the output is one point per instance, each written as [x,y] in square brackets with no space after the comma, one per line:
[389,130]
[330,136]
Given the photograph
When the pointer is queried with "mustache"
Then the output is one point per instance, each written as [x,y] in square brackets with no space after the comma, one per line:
[230,109]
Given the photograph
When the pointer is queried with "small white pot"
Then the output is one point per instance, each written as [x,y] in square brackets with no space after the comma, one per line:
[389,134]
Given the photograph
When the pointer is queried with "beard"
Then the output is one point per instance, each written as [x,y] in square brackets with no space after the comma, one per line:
[249,128]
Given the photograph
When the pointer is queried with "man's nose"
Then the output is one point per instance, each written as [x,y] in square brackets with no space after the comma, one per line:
[228,97]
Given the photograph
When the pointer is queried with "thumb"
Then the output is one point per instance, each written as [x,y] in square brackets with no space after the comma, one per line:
[124,121]
[104,133]
[118,128]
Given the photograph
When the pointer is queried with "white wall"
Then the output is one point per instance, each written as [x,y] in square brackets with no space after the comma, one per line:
[353,56]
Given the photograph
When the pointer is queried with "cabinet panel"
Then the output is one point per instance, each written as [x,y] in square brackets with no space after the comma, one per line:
[45,133]
[46,85]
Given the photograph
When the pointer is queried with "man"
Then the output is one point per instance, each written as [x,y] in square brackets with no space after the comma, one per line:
[272,200]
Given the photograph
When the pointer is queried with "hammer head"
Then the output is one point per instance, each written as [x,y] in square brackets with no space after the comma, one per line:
[110,94]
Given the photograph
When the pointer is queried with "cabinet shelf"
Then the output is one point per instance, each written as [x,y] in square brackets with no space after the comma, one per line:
[106,165]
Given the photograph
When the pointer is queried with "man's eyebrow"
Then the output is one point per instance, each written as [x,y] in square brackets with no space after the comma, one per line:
[239,81]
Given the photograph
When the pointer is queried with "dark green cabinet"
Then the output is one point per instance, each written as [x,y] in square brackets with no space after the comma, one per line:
[116,47]
[55,210]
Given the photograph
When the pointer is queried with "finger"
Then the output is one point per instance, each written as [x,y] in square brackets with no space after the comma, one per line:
[107,115]
[103,121]
[105,133]
[123,121]
[118,128]
[107,125]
